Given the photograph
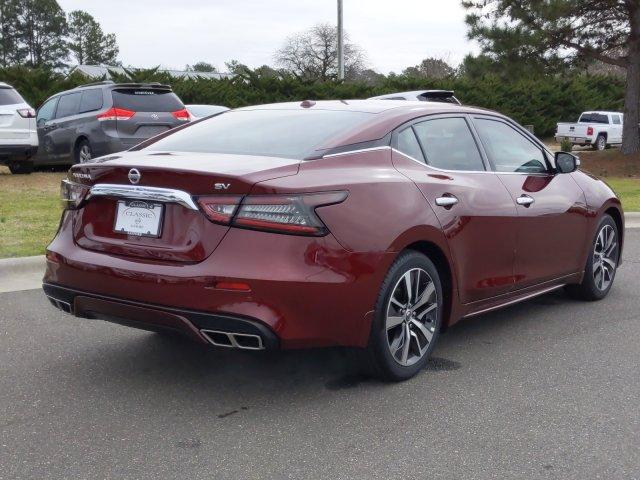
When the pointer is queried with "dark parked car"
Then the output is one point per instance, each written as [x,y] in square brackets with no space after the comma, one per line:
[104,117]
[369,224]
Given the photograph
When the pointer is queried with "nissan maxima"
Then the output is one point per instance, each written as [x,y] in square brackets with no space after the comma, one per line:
[366,224]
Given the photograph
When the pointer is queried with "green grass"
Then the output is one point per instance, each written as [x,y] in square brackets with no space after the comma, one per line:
[30,209]
[628,189]
[29,212]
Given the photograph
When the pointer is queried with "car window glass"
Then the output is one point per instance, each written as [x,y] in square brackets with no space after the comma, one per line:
[91,100]
[593,118]
[616,119]
[448,144]
[509,150]
[408,144]
[47,111]
[147,100]
[8,96]
[68,105]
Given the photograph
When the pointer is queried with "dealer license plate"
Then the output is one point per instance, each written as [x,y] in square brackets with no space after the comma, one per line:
[137,217]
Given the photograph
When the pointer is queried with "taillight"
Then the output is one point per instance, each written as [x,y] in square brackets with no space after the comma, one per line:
[182,115]
[27,112]
[292,214]
[589,130]
[72,194]
[116,114]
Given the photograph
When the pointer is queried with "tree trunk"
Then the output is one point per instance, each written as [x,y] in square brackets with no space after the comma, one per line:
[631,129]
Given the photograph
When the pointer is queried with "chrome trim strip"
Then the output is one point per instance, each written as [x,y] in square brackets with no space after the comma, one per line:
[512,302]
[163,195]
[350,152]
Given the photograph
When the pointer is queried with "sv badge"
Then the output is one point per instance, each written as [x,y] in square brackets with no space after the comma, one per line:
[221,186]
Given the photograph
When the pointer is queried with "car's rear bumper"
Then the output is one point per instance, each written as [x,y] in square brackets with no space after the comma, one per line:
[574,140]
[17,151]
[202,327]
[308,291]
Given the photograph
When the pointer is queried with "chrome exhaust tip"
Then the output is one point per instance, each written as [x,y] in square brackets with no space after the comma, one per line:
[60,305]
[243,341]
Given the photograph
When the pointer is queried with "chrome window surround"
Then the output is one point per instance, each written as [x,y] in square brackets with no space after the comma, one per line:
[152,194]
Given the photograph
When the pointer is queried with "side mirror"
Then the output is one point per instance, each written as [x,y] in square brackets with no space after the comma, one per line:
[566,162]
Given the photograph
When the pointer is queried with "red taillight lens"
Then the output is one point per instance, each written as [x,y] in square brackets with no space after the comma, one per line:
[292,214]
[182,115]
[589,130]
[27,112]
[219,209]
[116,114]
[72,194]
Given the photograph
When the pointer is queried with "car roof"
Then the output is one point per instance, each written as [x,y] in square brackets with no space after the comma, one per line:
[411,93]
[386,115]
[603,112]
[5,85]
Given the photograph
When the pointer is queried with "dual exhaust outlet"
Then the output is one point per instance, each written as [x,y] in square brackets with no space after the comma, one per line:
[242,341]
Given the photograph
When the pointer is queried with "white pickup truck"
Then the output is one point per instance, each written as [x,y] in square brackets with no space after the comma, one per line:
[597,129]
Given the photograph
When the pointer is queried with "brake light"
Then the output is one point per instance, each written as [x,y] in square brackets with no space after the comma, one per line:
[291,214]
[72,194]
[219,209]
[182,115]
[589,130]
[116,114]
[27,112]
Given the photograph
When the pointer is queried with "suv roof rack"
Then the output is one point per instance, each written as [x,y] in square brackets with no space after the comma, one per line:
[93,84]
[144,85]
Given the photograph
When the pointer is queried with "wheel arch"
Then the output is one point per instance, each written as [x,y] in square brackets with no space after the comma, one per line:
[76,144]
[616,214]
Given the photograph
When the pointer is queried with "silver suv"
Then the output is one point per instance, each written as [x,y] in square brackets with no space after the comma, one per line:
[18,138]
[104,117]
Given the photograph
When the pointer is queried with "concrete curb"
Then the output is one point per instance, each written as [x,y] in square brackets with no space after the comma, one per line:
[23,273]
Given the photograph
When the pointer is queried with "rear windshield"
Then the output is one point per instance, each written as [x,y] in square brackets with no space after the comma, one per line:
[277,133]
[8,96]
[147,100]
[593,118]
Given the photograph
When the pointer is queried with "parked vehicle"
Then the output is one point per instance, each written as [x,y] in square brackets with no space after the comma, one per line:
[443,96]
[201,111]
[598,129]
[104,117]
[18,138]
[366,224]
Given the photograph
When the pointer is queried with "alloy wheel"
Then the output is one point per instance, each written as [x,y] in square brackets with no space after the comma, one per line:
[602,143]
[605,257]
[411,318]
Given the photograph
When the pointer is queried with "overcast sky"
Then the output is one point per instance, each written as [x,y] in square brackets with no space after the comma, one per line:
[394,34]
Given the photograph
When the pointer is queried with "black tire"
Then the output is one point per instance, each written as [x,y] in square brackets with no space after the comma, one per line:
[601,142]
[589,289]
[83,152]
[24,167]
[376,358]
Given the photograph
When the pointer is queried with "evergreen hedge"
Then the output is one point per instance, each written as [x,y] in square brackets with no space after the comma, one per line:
[539,102]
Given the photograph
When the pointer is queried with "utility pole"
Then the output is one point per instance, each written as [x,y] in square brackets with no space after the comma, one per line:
[340,43]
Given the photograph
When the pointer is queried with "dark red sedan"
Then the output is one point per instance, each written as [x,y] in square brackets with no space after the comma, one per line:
[369,224]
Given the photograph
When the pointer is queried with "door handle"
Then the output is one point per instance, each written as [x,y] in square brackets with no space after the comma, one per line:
[446,202]
[525,200]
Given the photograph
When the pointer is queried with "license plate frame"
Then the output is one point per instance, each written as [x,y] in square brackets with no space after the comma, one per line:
[149,227]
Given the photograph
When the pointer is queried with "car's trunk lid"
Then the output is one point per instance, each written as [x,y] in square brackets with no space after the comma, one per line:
[185,234]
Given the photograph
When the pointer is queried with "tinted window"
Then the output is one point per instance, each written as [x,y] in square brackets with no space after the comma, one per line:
[142,100]
[8,96]
[47,111]
[408,144]
[448,144]
[91,100]
[593,118]
[616,119]
[279,133]
[68,105]
[509,150]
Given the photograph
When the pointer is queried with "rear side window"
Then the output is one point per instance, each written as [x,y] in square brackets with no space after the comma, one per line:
[91,100]
[593,118]
[408,144]
[146,100]
[509,150]
[276,133]
[448,144]
[47,111]
[616,119]
[68,105]
[8,96]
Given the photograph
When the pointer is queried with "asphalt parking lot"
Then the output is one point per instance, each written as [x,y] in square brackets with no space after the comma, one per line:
[547,389]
